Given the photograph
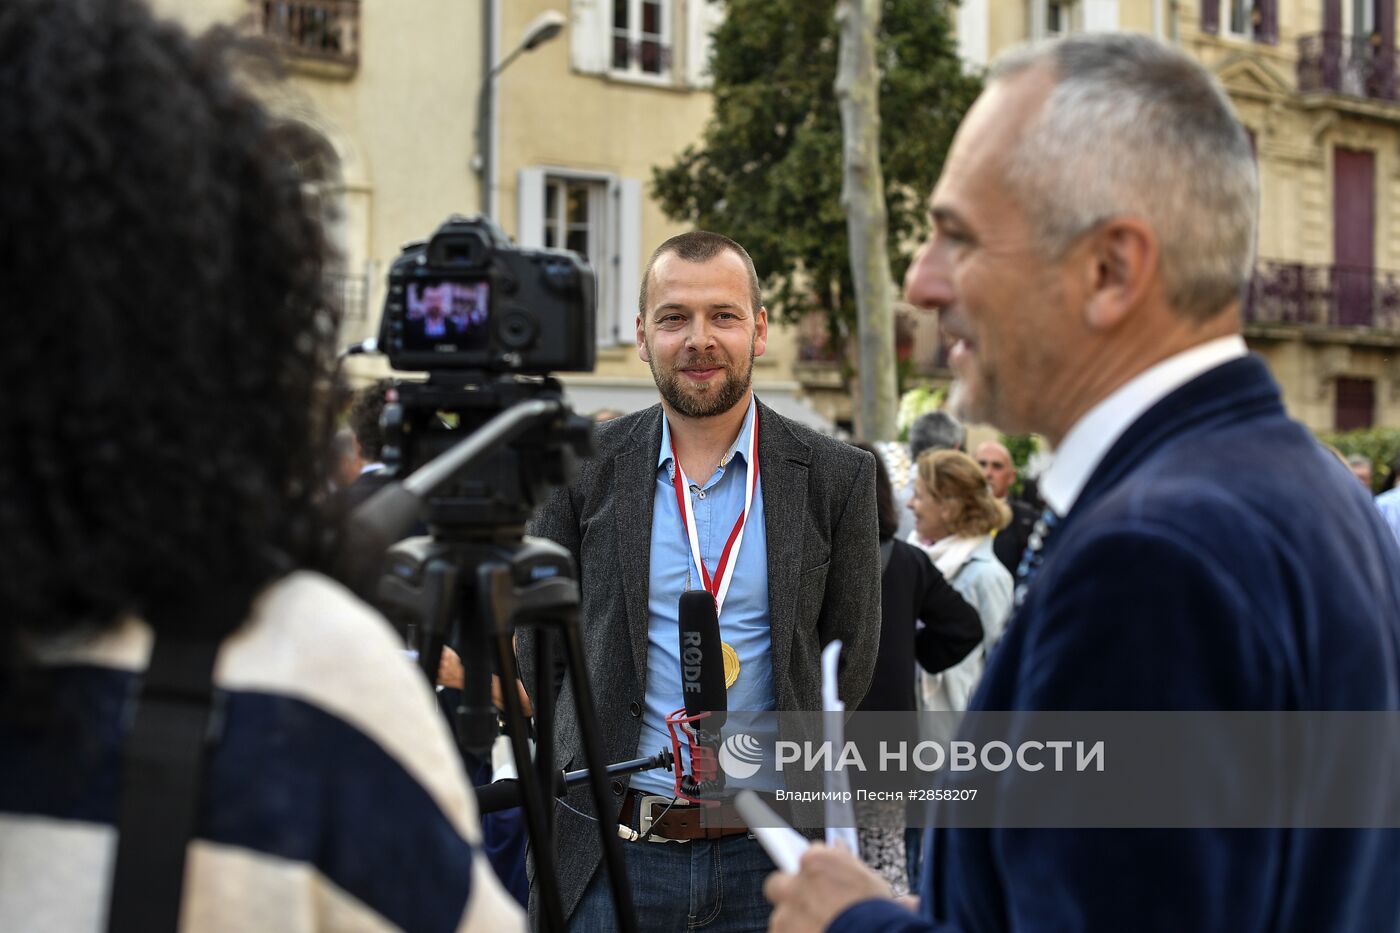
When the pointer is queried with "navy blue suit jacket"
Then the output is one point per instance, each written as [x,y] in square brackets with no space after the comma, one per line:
[1218,559]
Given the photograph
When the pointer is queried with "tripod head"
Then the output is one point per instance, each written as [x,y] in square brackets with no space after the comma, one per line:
[476,457]
[491,496]
[495,447]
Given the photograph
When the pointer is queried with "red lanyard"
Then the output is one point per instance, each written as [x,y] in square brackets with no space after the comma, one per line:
[718,585]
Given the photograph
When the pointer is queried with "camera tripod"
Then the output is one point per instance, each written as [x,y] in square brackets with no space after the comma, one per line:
[477,579]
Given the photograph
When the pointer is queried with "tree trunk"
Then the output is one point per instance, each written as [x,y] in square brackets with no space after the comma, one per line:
[863,197]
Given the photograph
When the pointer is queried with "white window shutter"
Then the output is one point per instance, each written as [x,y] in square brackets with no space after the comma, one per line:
[1100,15]
[529,187]
[589,35]
[702,19]
[629,256]
[972,32]
[1038,14]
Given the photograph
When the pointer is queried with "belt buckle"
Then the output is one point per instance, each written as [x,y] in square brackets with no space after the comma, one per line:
[645,816]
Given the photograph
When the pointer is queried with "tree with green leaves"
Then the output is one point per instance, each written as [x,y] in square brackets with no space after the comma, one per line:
[768,171]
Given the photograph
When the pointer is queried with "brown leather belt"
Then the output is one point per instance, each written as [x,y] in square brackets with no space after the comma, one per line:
[683,822]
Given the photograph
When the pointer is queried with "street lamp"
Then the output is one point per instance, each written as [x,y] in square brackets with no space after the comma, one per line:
[542,29]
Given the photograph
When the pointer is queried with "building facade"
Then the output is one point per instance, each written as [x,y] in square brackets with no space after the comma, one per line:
[384,100]
[579,131]
[381,102]
[1314,82]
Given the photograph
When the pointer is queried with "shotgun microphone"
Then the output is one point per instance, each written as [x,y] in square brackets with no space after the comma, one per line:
[702,683]
[702,659]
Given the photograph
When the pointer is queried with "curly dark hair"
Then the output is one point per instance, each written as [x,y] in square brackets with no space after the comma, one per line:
[167,413]
[365,416]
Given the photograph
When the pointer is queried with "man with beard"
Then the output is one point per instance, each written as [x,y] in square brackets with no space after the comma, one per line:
[710,489]
[1093,232]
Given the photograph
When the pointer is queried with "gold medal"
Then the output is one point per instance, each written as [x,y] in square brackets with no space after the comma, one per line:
[731,665]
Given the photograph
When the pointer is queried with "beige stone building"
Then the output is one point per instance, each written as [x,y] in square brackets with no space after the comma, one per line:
[385,96]
[1314,81]
[382,98]
[579,131]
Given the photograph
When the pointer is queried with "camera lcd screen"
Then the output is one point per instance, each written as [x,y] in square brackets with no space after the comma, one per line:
[447,316]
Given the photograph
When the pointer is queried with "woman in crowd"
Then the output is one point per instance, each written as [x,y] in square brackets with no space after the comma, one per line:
[921,616]
[955,510]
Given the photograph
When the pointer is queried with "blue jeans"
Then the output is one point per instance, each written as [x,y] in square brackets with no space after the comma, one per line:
[713,886]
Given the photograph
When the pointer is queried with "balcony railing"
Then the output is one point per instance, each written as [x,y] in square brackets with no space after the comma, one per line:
[1356,66]
[347,294]
[322,30]
[1323,296]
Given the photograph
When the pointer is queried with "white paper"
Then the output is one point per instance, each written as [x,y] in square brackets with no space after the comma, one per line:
[831,664]
[783,844]
[840,811]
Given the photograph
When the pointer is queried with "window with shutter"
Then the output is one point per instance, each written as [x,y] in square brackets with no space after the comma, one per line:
[1265,20]
[1100,15]
[1356,403]
[1237,22]
[590,35]
[1210,16]
[1358,17]
[973,28]
[703,17]
[640,45]
[598,216]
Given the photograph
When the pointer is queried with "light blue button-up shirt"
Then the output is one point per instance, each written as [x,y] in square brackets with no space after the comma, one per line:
[743,620]
[1389,505]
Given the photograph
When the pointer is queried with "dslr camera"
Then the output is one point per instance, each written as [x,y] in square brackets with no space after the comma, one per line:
[488,321]
[469,300]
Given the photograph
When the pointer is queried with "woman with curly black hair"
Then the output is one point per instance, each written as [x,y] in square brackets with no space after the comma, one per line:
[164,431]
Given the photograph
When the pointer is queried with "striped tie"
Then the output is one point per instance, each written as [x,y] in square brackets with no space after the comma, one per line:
[1035,548]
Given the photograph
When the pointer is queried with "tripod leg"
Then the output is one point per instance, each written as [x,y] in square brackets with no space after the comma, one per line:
[536,800]
[545,772]
[597,773]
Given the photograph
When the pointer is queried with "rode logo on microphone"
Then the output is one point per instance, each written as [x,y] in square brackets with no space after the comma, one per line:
[691,657]
[741,756]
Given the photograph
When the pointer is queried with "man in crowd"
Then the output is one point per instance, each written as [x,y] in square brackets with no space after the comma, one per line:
[366,416]
[160,484]
[1360,466]
[933,430]
[1000,470]
[710,464]
[1165,578]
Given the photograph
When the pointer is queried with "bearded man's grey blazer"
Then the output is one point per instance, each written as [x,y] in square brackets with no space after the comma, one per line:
[823,583]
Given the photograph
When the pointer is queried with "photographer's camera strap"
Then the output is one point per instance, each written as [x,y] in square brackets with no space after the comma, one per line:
[162,777]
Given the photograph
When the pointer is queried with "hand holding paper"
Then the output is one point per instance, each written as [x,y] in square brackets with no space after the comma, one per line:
[783,844]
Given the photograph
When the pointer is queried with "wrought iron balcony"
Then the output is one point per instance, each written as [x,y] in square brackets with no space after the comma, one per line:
[318,30]
[1323,296]
[1355,66]
[347,294]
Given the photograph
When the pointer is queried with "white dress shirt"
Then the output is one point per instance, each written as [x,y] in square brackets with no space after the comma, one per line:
[1093,435]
